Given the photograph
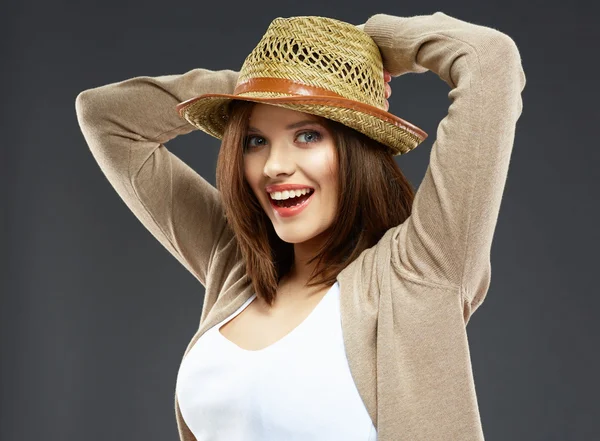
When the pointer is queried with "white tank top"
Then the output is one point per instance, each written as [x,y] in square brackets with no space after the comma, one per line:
[297,389]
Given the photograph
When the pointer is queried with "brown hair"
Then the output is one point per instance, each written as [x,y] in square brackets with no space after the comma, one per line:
[377,198]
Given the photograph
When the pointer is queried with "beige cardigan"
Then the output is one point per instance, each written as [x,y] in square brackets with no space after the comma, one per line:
[406,301]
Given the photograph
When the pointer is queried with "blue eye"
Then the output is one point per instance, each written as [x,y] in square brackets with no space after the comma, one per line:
[247,143]
[312,133]
[314,136]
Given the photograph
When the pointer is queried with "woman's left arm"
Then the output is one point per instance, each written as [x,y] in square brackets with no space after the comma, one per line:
[447,239]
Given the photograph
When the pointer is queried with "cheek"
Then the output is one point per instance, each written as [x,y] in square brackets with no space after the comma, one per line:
[253,175]
[326,170]
[250,171]
[321,162]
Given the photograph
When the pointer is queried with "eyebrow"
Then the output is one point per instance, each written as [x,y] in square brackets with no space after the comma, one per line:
[304,122]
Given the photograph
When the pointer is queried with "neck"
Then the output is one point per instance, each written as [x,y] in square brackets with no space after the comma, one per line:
[301,270]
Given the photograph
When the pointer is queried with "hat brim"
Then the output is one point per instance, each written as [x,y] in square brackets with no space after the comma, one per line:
[208,113]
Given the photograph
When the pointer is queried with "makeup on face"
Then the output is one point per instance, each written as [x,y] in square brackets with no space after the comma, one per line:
[289,162]
[294,204]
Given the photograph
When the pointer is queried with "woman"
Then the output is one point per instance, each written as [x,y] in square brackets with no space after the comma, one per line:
[344,319]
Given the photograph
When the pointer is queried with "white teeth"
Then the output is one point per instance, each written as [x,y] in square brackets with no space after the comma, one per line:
[282,195]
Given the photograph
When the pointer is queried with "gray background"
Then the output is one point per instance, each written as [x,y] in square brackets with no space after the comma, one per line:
[95,314]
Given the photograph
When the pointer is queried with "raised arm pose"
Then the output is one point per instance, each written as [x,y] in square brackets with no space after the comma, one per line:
[336,298]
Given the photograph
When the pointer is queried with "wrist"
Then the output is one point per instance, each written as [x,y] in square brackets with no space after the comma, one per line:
[382,28]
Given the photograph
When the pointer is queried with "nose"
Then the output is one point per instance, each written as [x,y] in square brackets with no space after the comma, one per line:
[279,162]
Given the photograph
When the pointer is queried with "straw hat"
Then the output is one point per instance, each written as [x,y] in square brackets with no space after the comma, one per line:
[316,65]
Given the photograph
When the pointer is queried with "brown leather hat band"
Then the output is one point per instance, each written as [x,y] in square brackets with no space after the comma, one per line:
[281,85]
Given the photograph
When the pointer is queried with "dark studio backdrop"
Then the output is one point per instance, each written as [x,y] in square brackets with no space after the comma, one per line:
[95,314]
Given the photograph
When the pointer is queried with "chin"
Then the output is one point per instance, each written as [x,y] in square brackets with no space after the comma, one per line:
[294,236]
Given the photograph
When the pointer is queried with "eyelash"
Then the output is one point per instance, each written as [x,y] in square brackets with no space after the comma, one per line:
[249,138]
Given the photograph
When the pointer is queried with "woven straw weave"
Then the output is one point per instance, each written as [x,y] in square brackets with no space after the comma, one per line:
[301,49]
[324,53]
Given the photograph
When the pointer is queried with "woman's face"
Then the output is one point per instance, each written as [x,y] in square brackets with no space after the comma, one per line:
[284,146]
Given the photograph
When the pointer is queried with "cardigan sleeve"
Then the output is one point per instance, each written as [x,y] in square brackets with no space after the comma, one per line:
[447,238]
[126,125]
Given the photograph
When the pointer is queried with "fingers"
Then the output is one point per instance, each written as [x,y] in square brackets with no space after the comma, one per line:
[387,77]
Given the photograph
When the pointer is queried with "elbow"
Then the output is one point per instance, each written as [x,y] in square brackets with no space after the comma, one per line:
[512,56]
[90,114]
[84,105]
[513,76]
[501,57]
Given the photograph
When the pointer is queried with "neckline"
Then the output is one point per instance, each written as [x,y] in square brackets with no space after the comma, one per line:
[287,336]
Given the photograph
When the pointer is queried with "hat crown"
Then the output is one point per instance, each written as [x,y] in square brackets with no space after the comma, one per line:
[321,52]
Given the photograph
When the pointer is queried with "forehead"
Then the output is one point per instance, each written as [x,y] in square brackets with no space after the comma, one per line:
[265,114]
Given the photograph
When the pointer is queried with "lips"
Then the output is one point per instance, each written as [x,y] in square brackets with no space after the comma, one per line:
[293,210]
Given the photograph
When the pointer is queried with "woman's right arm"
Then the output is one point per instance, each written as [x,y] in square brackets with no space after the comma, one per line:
[126,125]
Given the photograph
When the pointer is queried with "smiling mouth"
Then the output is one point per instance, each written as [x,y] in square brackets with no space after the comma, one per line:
[292,202]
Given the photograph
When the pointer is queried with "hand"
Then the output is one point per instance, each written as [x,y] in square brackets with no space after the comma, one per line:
[387,77]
